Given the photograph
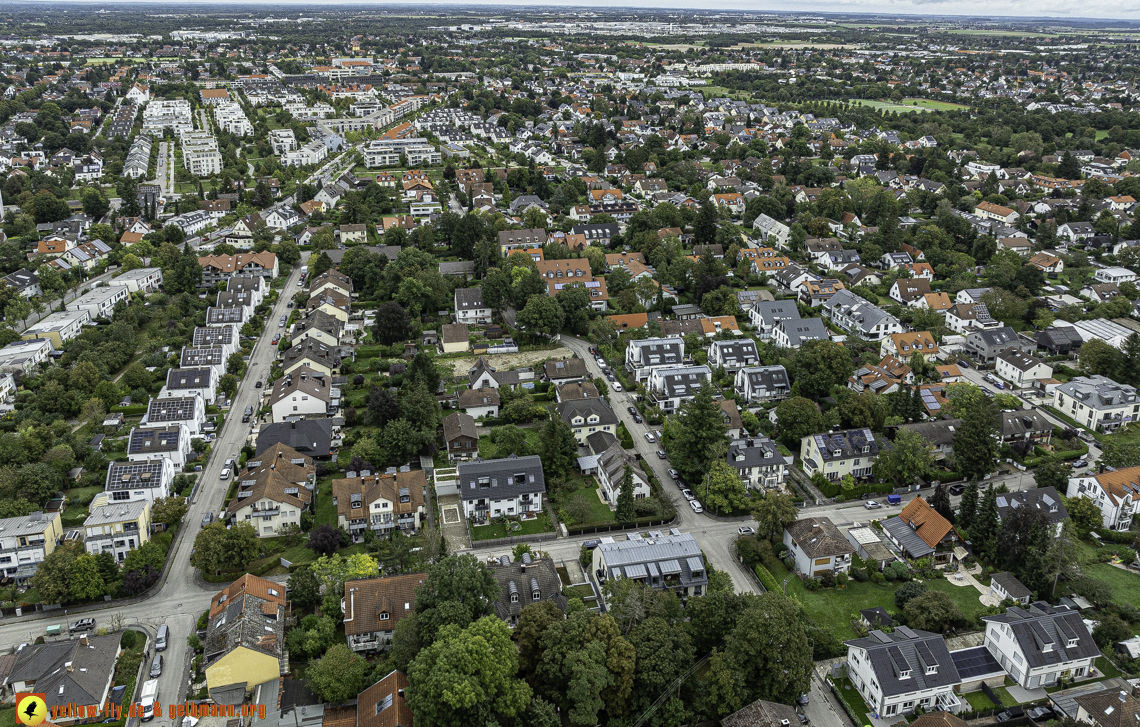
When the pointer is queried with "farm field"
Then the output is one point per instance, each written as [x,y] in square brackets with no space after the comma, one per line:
[909,104]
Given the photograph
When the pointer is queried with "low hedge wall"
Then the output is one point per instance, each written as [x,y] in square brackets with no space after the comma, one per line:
[835,489]
[766,578]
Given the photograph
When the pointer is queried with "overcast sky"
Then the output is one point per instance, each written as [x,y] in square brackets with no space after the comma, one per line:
[989,9]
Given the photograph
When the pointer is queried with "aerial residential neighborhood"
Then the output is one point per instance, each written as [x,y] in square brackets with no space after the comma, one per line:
[377,366]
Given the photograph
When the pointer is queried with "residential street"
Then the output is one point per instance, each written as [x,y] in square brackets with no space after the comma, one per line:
[179,599]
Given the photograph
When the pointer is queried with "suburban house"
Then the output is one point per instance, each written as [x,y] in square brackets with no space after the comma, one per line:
[460,435]
[58,327]
[308,437]
[904,345]
[1003,586]
[311,353]
[817,547]
[380,502]
[986,345]
[117,528]
[70,672]
[181,383]
[611,463]
[303,394]
[762,713]
[837,454]
[663,562]
[1116,494]
[645,355]
[795,333]
[670,387]
[470,308]
[759,384]
[764,315]
[1025,425]
[166,442]
[1040,644]
[484,376]
[269,502]
[456,338]
[962,317]
[733,355]
[1097,402]
[218,268]
[189,411]
[245,638]
[146,480]
[523,582]
[920,532]
[586,416]
[101,301]
[1021,369]
[758,462]
[860,316]
[564,371]
[479,403]
[319,326]
[905,670]
[491,488]
[25,542]
[1108,708]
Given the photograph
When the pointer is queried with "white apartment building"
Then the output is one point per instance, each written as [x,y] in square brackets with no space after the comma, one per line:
[26,541]
[1097,402]
[1040,644]
[101,302]
[645,355]
[312,153]
[162,114]
[905,670]
[229,117]
[1116,494]
[282,140]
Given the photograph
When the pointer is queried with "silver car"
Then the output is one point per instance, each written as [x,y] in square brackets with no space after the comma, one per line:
[156,667]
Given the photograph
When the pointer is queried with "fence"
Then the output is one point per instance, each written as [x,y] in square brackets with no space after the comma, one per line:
[515,539]
[589,529]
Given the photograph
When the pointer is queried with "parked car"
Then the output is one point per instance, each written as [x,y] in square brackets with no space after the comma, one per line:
[745,530]
[963,363]
[872,505]
[673,473]
[803,699]
[225,475]
[696,506]
[257,385]
[156,667]
[591,544]
[617,386]
[661,454]
[593,351]
[957,489]
[637,418]
[1080,463]
[631,409]
[83,624]
[688,495]
[207,519]
[650,438]
[1040,714]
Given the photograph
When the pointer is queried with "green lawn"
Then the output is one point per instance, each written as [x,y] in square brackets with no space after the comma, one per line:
[887,105]
[488,449]
[1125,585]
[541,524]
[853,699]
[978,701]
[588,486]
[927,103]
[833,609]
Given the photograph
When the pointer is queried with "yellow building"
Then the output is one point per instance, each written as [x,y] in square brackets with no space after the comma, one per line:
[117,527]
[245,638]
[59,327]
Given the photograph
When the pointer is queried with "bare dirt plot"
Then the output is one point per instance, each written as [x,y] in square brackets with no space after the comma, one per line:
[507,361]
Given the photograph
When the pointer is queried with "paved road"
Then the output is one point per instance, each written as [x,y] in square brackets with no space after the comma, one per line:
[179,600]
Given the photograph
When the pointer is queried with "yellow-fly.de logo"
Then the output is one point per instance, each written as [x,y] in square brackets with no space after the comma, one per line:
[31,708]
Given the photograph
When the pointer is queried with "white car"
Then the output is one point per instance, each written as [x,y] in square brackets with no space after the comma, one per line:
[616,386]
[696,506]
[225,474]
[871,505]
[745,530]
[649,437]
[688,495]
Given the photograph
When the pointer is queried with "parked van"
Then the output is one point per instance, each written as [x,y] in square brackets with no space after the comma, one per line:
[248,414]
[160,640]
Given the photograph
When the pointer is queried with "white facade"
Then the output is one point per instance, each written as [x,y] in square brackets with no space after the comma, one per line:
[144,279]
[101,302]
[1021,370]
[130,481]
[1114,275]
[1116,494]
[644,356]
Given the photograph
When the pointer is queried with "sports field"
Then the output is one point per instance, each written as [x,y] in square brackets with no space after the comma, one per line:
[910,104]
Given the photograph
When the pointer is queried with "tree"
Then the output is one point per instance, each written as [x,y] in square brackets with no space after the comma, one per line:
[457,586]
[319,264]
[770,651]
[184,275]
[558,447]
[228,384]
[324,539]
[338,676]
[217,548]
[696,436]
[587,666]
[724,489]
[1118,454]
[235,363]
[1110,631]
[424,370]
[704,228]
[53,577]
[304,588]
[975,440]
[1084,514]
[1023,546]
[86,580]
[940,501]
[797,417]
[968,505]
[663,654]
[509,439]
[910,458]
[625,512]
[932,611]
[541,317]
[773,512]
[1050,473]
[467,676]
[907,592]
[532,623]
[392,324]
[1098,358]
[1069,167]
[130,262]
[820,365]
[574,300]
[168,510]
[985,528]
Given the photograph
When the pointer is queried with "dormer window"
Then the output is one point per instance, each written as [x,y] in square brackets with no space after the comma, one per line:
[535,595]
[905,674]
[1073,642]
[384,616]
[932,669]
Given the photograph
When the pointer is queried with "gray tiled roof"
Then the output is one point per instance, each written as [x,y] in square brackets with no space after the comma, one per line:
[1043,634]
[586,408]
[501,478]
[906,650]
[188,379]
[803,330]
[1045,499]
[756,451]
[910,542]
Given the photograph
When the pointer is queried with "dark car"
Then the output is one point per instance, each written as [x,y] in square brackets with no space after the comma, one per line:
[591,544]
[661,454]
[1040,714]
[631,409]
[257,385]
[156,667]
[957,489]
[593,351]
[637,418]
[963,363]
